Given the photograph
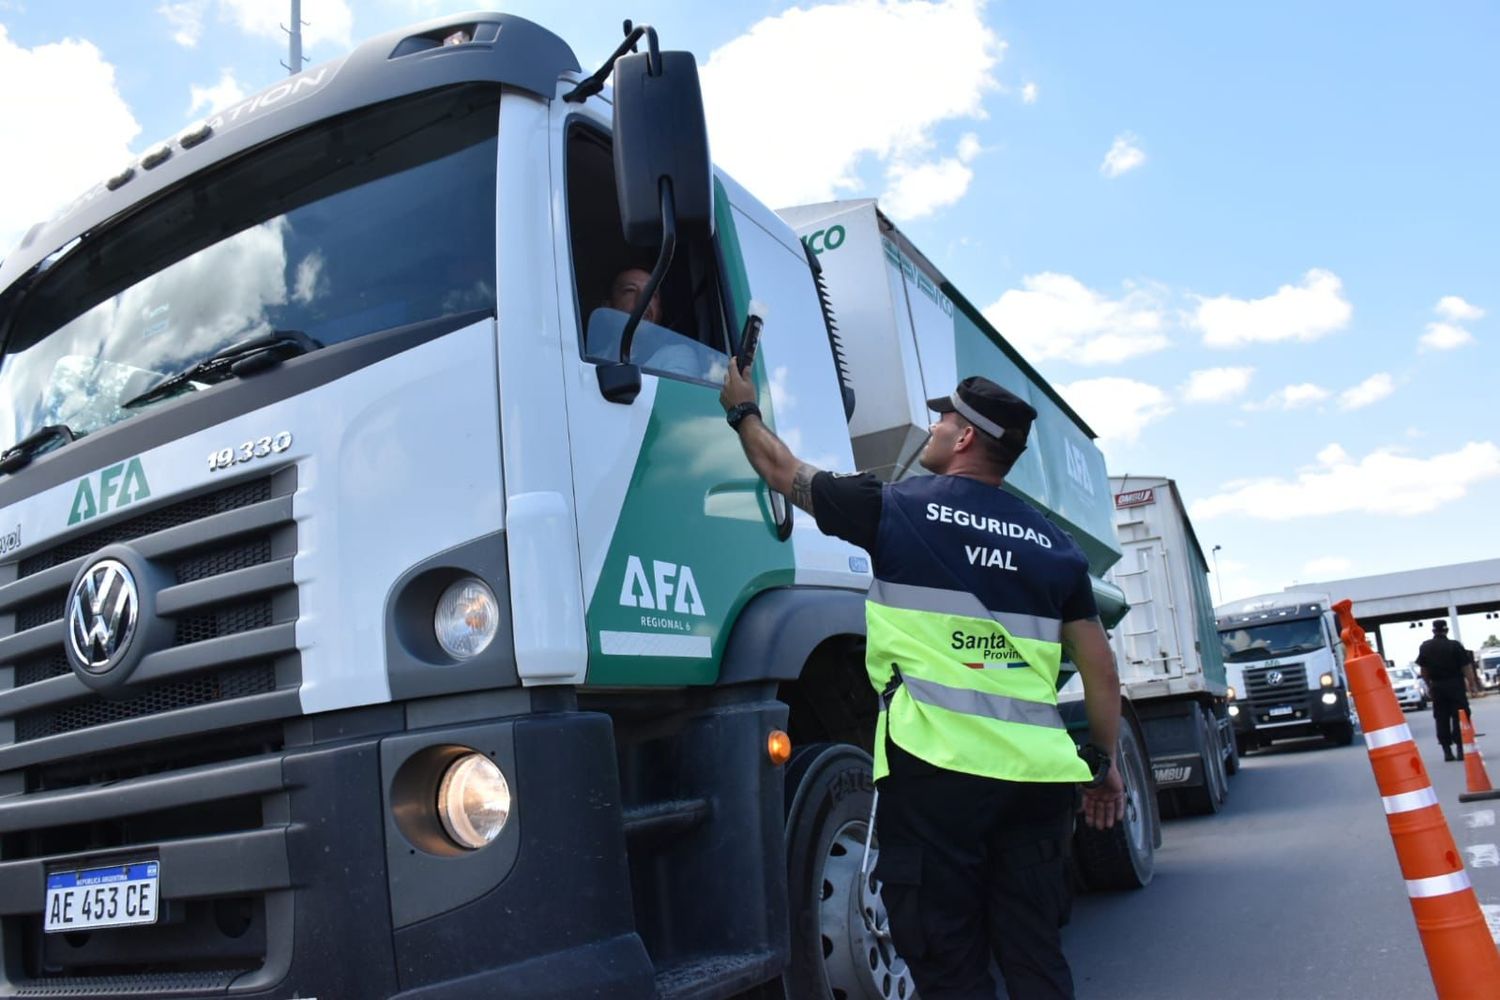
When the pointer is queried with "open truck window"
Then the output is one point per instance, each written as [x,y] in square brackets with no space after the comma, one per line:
[688,340]
[382,218]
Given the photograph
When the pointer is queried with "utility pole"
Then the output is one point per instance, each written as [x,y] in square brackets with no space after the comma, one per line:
[295,58]
[1218,579]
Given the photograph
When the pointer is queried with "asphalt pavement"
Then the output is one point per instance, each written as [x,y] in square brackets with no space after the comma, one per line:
[1292,890]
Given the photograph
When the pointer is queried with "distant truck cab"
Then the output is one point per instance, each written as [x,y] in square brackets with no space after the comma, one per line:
[1286,669]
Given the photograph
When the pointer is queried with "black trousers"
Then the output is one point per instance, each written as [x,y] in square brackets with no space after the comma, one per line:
[1448,696]
[972,868]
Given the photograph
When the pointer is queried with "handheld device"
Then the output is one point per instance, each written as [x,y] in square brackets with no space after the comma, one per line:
[755,318]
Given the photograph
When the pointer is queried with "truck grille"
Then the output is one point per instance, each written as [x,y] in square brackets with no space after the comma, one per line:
[230,660]
[1291,691]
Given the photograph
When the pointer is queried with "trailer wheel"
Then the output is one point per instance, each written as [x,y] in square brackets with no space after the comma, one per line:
[1232,754]
[1206,799]
[836,955]
[1124,856]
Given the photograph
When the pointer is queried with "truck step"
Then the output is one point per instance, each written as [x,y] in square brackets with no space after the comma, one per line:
[658,822]
[715,976]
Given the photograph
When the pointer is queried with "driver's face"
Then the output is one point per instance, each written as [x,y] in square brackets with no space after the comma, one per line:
[626,292]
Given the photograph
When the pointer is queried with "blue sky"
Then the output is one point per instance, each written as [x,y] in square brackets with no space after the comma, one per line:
[1299,207]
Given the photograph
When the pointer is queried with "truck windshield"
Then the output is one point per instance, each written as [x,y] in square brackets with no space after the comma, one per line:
[348,227]
[1264,642]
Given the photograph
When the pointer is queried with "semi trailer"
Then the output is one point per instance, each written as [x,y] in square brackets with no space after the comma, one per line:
[383,614]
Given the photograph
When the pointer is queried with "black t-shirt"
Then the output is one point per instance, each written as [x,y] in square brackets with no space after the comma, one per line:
[1444,659]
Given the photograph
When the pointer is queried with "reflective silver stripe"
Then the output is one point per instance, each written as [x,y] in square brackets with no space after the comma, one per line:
[1409,801]
[961,602]
[1471,748]
[1387,737]
[989,706]
[1438,885]
[974,417]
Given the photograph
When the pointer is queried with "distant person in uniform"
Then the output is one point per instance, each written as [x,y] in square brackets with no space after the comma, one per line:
[977,599]
[1444,663]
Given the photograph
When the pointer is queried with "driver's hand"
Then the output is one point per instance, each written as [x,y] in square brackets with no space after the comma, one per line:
[1104,806]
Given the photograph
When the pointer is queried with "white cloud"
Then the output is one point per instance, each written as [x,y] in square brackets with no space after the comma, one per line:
[1123,156]
[216,97]
[1118,409]
[1454,308]
[186,20]
[326,20]
[1386,481]
[1216,385]
[1057,316]
[1292,397]
[1445,337]
[1327,568]
[1371,390]
[1029,93]
[790,114]
[917,190]
[67,81]
[1312,309]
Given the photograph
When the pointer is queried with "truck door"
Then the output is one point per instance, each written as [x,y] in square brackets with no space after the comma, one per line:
[675,530]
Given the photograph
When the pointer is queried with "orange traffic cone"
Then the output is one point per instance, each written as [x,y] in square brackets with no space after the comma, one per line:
[1479,780]
[1461,955]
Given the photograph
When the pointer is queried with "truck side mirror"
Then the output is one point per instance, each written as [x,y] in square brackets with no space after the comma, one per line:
[660,134]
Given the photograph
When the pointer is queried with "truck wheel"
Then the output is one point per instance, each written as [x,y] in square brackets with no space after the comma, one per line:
[1206,799]
[835,951]
[1340,734]
[1232,755]
[1124,856]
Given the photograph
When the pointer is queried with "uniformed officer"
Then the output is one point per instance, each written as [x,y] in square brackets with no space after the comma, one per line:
[976,599]
[1442,661]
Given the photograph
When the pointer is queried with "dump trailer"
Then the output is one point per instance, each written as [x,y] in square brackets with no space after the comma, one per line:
[1167,646]
[384,613]
[1285,659]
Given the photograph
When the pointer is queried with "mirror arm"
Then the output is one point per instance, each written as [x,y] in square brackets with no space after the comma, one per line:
[663,261]
[595,83]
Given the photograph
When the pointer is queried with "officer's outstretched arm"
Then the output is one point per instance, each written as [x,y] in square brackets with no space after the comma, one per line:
[769,456]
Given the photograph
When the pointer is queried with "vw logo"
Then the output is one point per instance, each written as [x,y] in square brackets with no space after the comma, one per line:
[102,613]
[1274,677]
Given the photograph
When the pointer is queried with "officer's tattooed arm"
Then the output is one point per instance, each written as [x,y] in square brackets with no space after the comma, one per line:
[772,460]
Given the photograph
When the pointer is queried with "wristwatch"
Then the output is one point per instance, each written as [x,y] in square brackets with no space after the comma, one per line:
[1098,762]
[738,412]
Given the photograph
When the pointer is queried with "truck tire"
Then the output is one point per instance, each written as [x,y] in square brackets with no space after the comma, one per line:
[1232,754]
[1340,734]
[834,955]
[1206,799]
[1124,856]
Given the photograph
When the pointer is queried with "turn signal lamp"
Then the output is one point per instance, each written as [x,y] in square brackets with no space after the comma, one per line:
[467,618]
[779,747]
[1231,693]
[1326,680]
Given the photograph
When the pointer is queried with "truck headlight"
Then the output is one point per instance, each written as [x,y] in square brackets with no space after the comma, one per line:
[1234,710]
[1231,692]
[467,618]
[1329,698]
[1326,680]
[473,801]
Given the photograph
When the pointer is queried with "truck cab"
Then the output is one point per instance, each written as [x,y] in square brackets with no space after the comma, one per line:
[1286,669]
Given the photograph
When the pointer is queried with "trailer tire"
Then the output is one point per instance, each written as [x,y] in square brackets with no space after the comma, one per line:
[829,791]
[1205,799]
[1124,856]
[1232,755]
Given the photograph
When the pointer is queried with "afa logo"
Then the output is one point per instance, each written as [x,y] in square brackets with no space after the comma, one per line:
[670,587]
[112,488]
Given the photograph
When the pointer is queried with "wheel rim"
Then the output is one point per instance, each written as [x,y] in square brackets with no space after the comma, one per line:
[859,962]
[1135,812]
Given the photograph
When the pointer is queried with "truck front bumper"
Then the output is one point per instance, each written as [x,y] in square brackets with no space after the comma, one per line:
[310,872]
[1309,715]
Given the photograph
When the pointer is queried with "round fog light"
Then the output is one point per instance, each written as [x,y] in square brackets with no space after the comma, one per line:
[1234,710]
[473,801]
[466,619]
[1329,698]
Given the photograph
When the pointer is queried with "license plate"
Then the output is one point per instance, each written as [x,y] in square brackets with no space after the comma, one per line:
[102,897]
[1281,710]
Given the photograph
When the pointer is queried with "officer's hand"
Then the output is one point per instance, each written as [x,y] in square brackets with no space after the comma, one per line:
[1104,806]
[737,389]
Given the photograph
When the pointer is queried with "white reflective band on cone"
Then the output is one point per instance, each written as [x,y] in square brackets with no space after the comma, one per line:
[1389,736]
[1471,748]
[1438,885]
[1409,801]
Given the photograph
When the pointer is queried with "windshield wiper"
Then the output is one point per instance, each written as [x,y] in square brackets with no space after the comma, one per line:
[235,361]
[23,451]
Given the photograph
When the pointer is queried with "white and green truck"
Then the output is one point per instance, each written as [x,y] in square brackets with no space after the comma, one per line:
[381,615]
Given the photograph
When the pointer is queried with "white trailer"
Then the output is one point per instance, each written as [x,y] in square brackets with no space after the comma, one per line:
[1167,646]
